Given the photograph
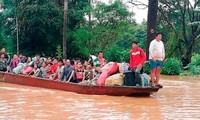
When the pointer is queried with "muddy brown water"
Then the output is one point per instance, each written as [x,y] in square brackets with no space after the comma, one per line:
[179,99]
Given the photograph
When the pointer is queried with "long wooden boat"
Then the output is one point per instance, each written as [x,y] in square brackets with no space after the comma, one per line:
[78,88]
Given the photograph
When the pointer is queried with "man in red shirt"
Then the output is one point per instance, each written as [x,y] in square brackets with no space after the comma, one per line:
[137,59]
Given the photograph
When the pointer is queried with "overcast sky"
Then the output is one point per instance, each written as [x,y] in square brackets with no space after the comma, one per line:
[140,14]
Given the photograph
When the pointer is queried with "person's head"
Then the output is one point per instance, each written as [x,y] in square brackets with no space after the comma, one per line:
[37,56]
[44,64]
[35,66]
[29,59]
[60,62]
[49,60]
[134,44]
[15,56]
[20,56]
[100,54]
[79,65]
[3,50]
[39,59]
[90,61]
[49,64]
[2,55]
[85,64]
[55,61]
[72,62]
[158,36]
[67,62]
[89,67]
[77,60]
[24,57]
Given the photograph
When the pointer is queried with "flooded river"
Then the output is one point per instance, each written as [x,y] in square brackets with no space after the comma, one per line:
[179,99]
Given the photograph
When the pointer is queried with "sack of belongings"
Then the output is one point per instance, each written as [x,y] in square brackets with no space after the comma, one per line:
[112,70]
[106,67]
[145,80]
[116,79]
[123,67]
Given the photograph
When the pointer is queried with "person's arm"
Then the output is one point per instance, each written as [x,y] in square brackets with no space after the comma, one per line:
[163,52]
[131,60]
[84,75]
[37,73]
[143,56]
[11,63]
[62,74]
[105,61]
[151,55]
[7,56]
[8,69]
[56,74]
[6,62]
[30,72]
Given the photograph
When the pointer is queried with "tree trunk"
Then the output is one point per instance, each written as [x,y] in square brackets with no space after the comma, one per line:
[151,23]
[186,59]
[89,22]
[65,29]
[17,28]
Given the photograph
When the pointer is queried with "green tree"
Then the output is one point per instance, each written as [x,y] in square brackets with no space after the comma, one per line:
[40,26]
[181,37]
[8,26]
[108,26]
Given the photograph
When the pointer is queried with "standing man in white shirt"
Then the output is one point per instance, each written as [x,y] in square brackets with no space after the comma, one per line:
[156,57]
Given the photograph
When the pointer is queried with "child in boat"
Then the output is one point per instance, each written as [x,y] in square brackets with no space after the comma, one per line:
[79,72]
[52,69]
[88,73]
[27,68]
[14,62]
[43,70]
[85,69]
[94,61]
[59,71]
[35,71]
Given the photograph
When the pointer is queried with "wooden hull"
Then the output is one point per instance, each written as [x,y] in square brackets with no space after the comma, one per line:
[73,87]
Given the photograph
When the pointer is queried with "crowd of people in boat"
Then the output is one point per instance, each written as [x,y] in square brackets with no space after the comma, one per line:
[52,68]
[78,71]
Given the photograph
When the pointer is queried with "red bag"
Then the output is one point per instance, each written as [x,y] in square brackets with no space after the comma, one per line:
[112,70]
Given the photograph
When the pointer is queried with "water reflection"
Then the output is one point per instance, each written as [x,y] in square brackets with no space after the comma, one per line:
[179,99]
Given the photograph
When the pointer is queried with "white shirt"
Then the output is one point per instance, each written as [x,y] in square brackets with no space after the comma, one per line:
[60,71]
[156,50]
